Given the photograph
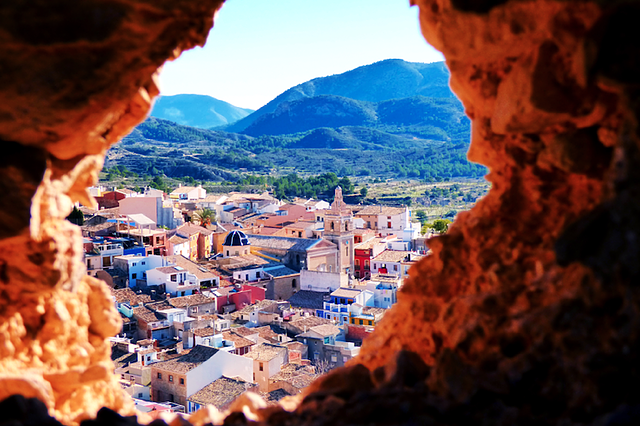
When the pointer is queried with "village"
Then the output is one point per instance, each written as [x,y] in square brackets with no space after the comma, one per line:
[224,294]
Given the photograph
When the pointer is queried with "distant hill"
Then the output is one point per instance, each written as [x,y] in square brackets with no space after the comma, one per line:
[381,81]
[431,118]
[197,110]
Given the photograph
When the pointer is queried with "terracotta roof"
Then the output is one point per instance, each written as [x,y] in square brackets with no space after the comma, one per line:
[126,295]
[368,244]
[145,342]
[282,243]
[381,211]
[264,352]
[177,239]
[191,229]
[192,300]
[295,346]
[392,256]
[146,314]
[168,270]
[204,332]
[183,189]
[122,358]
[346,292]
[308,299]
[244,331]
[221,393]
[188,362]
[237,339]
[326,330]
[308,322]
[193,268]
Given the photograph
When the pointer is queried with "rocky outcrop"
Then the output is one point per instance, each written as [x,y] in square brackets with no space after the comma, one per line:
[526,313]
[76,77]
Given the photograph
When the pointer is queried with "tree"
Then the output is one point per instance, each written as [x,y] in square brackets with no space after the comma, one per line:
[364,191]
[76,216]
[441,225]
[421,216]
[204,216]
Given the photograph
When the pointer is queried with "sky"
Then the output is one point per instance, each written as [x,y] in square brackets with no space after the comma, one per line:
[257,49]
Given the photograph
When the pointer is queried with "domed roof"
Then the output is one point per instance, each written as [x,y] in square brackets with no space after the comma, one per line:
[236,238]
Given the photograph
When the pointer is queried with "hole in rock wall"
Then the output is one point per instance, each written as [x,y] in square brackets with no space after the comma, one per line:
[527,310]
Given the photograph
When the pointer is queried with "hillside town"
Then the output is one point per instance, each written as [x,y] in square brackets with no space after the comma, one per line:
[224,294]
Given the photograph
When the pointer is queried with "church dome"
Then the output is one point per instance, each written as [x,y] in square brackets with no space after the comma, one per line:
[236,238]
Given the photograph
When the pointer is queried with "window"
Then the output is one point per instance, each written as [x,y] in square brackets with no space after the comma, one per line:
[342,301]
[261,367]
[174,278]
[299,234]
[388,224]
[293,283]
[246,277]
[227,253]
[369,225]
[346,226]
[170,378]
[353,320]
[326,340]
[346,251]
[361,322]
[134,264]
[106,261]
[332,226]
[159,376]
[139,394]
[171,397]
[143,263]
[134,276]
[334,358]
[254,377]
[370,322]
[357,263]
[395,267]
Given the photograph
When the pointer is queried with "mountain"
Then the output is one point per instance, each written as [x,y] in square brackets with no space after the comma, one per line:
[381,81]
[197,110]
[432,118]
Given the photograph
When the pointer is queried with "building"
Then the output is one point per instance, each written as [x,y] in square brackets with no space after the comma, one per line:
[236,243]
[177,379]
[219,393]
[175,280]
[386,220]
[188,193]
[338,228]
[364,254]
[268,359]
[136,267]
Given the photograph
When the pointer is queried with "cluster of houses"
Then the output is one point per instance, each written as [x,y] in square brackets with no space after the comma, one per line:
[264,298]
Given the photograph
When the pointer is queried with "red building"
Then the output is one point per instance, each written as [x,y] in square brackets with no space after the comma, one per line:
[238,295]
[364,254]
[110,199]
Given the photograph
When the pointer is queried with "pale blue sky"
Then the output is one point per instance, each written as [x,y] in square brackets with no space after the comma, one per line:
[260,48]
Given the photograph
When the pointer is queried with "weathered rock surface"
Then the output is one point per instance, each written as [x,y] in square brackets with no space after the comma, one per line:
[528,311]
[76,77]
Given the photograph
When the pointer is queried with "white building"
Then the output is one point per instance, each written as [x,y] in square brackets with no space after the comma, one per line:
[187,193]
[136,266]
[177,281]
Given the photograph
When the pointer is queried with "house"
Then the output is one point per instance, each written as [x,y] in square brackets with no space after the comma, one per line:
[151,324]
[136,267]
[241,344]
[268,359]
[236,297]
[293,378]
[308,301]
[392,262]
[364,254]
[203,276]
[365,315]
[386,220]
[200,241]
[153,240]
[195,304]
[179,246]
[179,378]
[233,213]
[340,303]
[219,393]
[301,325]
[99,254]
[300,229]
[188,193]
[319,336]
[175,280]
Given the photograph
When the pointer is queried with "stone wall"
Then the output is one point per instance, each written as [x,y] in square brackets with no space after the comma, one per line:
[526,313]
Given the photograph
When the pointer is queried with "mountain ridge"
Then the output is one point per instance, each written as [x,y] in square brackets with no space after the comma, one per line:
[196,110]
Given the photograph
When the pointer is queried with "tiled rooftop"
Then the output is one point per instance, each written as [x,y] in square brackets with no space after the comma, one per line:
[192,300]
[282,243]
[188,362]
[220,393]
[392,256]
[380,210]
[307,299]
[126,295]
[264,352]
